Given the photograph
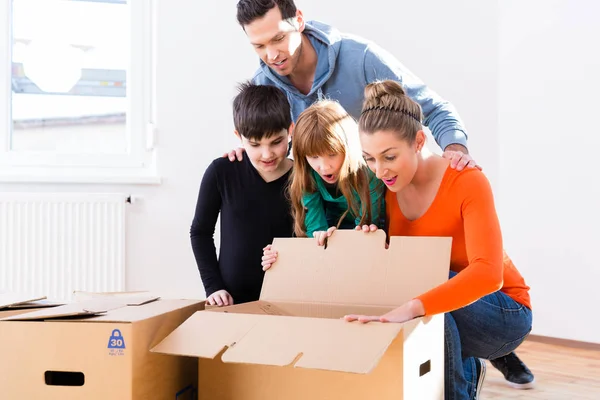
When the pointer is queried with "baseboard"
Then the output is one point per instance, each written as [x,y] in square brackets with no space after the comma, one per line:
[564,342]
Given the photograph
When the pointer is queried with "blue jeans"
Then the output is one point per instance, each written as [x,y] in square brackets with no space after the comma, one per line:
[491,327]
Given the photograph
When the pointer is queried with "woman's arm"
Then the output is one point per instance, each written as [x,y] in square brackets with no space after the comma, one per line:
[483,240]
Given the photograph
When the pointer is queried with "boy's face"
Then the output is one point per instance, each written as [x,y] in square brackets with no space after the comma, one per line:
[267,154]
[277,42]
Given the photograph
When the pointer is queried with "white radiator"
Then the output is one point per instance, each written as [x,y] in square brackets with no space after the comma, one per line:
[56,243]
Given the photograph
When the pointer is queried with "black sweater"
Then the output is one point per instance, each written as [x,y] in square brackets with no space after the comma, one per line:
[253,212]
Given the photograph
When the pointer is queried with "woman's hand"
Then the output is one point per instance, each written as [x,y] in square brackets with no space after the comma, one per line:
[367,228]
[269,257]
[410,310]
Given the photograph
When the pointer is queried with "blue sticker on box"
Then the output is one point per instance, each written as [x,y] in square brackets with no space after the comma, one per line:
[187,393]
[116,343]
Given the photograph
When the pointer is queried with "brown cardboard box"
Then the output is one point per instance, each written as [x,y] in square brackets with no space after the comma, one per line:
[292,344]
[96,349]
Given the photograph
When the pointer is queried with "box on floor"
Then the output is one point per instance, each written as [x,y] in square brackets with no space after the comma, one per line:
[292,344]
[97,349]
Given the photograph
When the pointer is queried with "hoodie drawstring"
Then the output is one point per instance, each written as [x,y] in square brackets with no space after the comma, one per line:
[320,95]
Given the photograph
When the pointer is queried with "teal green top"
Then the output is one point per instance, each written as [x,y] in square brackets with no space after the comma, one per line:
[323,210]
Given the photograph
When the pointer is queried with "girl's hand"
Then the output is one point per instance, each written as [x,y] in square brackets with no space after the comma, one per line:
[269,257]
[367,228]
[322,236]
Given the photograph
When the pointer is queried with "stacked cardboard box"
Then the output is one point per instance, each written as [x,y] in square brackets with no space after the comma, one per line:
[96,349]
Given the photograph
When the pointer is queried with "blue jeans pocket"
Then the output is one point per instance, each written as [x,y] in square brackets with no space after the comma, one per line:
[508,347]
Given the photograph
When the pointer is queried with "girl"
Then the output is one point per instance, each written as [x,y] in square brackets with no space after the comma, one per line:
[486,301]
[331,185]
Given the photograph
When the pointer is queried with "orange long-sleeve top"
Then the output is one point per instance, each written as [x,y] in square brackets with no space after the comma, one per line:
[463,209]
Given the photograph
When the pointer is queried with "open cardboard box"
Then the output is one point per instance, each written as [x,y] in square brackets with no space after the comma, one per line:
[97,348]
[292,344]
[13,303]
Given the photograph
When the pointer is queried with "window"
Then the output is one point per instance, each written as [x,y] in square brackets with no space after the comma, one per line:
[76,94]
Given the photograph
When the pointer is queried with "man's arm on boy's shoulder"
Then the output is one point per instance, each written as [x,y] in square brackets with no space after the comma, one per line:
[202,231]
[237,153]
[440,116]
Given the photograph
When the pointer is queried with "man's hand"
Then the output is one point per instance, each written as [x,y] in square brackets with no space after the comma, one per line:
[220,298]
[459,157]
[235,153]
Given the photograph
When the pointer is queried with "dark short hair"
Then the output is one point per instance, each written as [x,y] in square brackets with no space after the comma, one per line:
[250,10]
[260,111]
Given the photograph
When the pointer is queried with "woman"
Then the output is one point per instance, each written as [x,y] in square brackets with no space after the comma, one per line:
[486,301]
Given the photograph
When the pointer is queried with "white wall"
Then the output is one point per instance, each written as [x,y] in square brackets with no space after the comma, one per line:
[549,86]
[453,46]
[202,53]
[450,45]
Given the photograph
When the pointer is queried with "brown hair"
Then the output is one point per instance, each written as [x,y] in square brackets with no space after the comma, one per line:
[326,128]
[260,111]
[250,10]
[386,107]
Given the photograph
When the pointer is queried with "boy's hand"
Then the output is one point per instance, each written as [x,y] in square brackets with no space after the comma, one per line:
[220,298]
[322,236]
[269,257]
[235,153]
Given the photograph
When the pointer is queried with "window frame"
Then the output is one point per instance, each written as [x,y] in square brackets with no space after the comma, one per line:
[138,165]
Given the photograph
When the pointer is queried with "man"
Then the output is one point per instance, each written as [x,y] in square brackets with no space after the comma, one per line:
[311,60]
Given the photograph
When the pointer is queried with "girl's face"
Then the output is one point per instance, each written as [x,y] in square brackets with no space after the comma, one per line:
[328,166]
[392,159]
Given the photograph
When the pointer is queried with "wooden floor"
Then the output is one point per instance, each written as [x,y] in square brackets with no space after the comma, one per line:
[561,373]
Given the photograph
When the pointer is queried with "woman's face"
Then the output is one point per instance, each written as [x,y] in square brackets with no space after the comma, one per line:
[393,160]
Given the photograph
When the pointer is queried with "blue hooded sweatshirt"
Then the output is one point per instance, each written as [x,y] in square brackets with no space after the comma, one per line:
[346,64]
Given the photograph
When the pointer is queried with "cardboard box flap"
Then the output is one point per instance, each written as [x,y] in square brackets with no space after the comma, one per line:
[35,304]
[11,299]
[135,297]
[206,333]
[145,311]
[356,268]
[330,344]
[85,309]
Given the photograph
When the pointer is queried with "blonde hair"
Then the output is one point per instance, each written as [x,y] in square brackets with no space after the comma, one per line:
[326,128]
[386,107]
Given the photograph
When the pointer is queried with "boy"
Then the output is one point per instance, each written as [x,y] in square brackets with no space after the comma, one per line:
[249,195]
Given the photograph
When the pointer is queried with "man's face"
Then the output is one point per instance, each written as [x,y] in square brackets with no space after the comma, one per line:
[277,42]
